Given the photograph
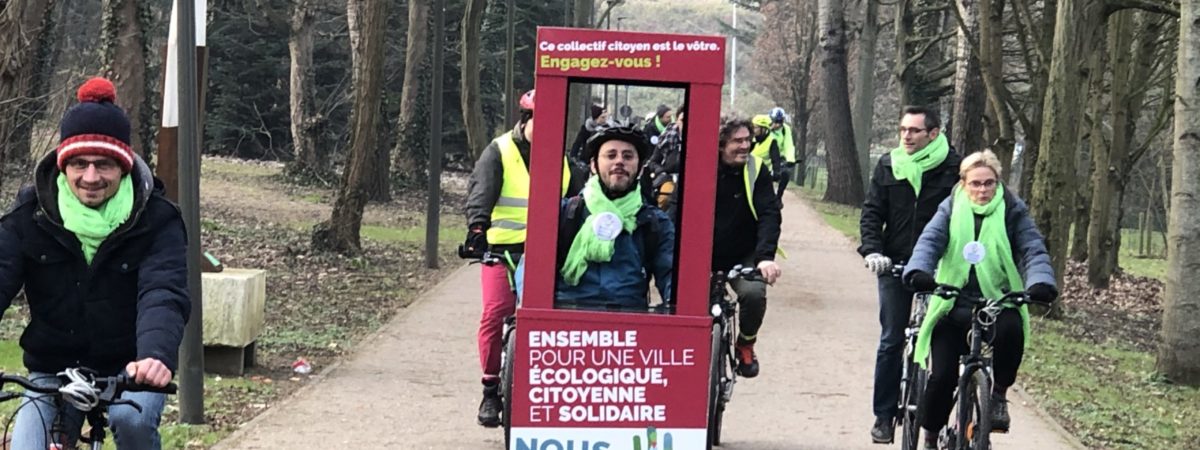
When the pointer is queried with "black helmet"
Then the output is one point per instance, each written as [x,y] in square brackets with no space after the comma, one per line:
[622,133]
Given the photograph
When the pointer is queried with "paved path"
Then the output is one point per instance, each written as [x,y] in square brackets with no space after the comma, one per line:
[414,385]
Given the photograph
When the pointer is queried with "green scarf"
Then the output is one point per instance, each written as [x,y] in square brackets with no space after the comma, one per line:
[658,124]
[587,247]
[996,272]
[93,225]
[912,167]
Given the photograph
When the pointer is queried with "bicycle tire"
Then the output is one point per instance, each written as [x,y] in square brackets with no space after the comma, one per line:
[911,413]
[506,385]
[714,388]
[982,393]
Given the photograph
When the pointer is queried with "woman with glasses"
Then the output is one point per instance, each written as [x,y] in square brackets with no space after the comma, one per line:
[983,241]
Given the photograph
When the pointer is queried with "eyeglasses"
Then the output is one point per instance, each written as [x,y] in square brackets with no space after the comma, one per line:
[103,165]
[985,184]
[906,130]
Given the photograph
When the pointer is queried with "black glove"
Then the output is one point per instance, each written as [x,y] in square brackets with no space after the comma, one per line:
[476,243]
[922,282]
[1042,293]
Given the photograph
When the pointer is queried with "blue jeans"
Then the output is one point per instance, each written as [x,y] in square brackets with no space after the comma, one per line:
[895,305]
[131,430]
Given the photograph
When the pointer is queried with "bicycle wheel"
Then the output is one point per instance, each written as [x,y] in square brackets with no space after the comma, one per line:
[715,405]
[981,435]
[910,413]
[506,384]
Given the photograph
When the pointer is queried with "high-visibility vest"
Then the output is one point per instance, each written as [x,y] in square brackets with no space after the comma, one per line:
[754,168]
[762,150]
[511,212]
[787,147]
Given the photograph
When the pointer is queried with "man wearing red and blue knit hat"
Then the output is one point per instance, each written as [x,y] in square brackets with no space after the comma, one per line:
[101,255]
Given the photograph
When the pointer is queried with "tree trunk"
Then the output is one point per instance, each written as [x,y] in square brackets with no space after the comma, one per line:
[845,182]
[920,68]
[472,110]
[864,92]
[991,60]
[379,186]
[1088,162]
[341,232]
[967,115]
[123,58]
[409,156]
[1037,89]
[1054,184]
[309,160]
[23,25]
[1179,357]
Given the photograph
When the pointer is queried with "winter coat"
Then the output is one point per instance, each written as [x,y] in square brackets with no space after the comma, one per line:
[737,235]
[483,189]
[130,303]
[892,216]
[1028,247]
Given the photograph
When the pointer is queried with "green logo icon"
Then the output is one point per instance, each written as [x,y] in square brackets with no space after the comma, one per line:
[652,440]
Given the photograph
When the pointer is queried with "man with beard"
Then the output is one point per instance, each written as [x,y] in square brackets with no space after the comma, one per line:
[745,231]
[610,240]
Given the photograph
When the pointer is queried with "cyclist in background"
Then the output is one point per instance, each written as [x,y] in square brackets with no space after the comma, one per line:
[906,188]
[781,133]
[982,241]
[497,195]
[120,306]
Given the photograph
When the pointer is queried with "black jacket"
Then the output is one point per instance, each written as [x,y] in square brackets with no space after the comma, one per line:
[736,235]
[130,303]
[892,218]
[483,189]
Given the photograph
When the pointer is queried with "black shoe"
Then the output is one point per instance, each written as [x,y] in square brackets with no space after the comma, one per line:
[747,360]
[1000,419]
[884,430]
[489,408]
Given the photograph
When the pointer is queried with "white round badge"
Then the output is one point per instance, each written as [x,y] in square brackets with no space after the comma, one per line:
[974,252]
[606,226]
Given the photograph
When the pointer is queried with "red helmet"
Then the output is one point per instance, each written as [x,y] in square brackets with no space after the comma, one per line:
[527,101]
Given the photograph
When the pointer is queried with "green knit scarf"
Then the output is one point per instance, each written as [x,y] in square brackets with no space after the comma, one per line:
[93,225]
[658,124]
[587,246]
[996,272]
[912,167]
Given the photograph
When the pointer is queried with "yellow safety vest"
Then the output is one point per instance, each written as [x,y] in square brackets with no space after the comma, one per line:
[754,167]
[511,213]
[787,148]
[762,150]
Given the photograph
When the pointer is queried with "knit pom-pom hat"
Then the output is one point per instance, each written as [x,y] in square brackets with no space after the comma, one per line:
[95,126]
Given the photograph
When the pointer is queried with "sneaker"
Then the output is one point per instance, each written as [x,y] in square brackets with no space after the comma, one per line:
[747,361]
[1000,419]
[884,430]
[489,408]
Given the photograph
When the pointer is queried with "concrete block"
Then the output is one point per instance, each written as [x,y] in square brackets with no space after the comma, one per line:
[234,306]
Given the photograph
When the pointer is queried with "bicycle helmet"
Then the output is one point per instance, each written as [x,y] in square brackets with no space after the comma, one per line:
[761,120]
[622,133]
[527,101]
[777,114]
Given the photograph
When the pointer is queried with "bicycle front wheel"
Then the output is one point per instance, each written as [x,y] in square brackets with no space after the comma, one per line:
[982,393]
[716,377]
[506,385]
[910,413]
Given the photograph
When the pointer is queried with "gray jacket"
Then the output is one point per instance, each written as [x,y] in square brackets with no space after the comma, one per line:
[1029,248]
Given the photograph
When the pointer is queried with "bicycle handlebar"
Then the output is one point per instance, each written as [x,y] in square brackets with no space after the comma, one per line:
[1016,298]
[745,273]
[116,384]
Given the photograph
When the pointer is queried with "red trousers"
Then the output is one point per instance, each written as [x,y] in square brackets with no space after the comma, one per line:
[499,302]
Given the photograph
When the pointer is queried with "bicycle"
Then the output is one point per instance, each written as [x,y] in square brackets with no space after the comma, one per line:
[85,391]
[723,366]
[912,377]
[972,428]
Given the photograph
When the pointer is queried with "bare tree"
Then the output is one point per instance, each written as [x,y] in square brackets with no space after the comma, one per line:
[341,232]
[923,73]
[309,159]
[1179,357]
[864,87]
[124,51]
[967,115]
[788,43]
[379,185]
[22,33]
[408,158]
[845,181]
[472,109]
